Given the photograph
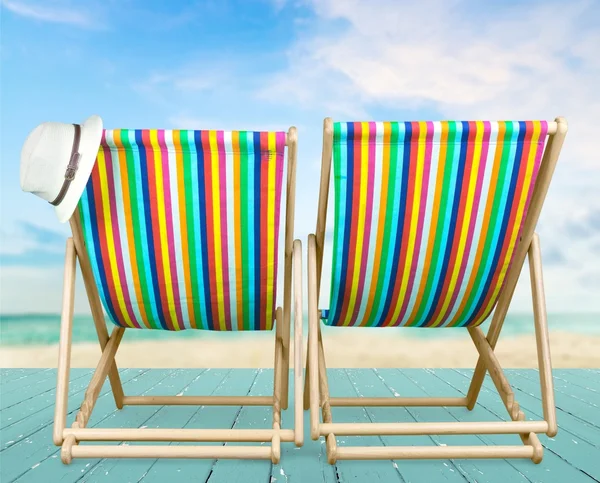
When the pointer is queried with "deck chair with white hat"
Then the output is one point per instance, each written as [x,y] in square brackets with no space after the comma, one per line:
[173,230]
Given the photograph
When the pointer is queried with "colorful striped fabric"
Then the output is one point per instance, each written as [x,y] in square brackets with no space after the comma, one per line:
[182,227]
[427,217]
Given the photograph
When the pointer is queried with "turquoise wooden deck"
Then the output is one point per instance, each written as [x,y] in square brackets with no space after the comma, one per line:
[27,404]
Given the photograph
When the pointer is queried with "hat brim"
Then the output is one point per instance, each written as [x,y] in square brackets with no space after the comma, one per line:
[91,136]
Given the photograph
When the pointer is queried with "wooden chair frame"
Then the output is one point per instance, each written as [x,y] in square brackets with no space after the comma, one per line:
[316,390]
[69,438]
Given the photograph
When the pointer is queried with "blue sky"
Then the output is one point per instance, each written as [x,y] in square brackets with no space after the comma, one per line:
[271,64]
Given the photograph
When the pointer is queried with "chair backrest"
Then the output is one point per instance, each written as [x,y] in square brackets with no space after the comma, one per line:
[427,218]
[182,227]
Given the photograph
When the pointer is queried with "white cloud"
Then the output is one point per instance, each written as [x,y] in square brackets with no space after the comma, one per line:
[52,12]
[180,85]
[463,60]
[529,61]
[185,121]
[43,293]
[175,82]
[183,81]
[24,237]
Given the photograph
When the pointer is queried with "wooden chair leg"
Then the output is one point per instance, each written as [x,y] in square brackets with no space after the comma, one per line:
[292,143]
[313,374]
[492,338]
[323,382]
[499,379]
[330,441]
[95,304]
[277,371]
[496,373]
[285,362]
[542,337]
[64,346]
[99,376]
[313,344]
[542,342]
[298,336]
[306,398]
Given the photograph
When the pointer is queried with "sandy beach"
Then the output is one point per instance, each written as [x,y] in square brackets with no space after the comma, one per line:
[342,349]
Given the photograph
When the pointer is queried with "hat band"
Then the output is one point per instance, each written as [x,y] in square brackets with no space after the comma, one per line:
[71,167]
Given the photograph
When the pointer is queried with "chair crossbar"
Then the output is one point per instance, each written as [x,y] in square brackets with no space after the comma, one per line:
[435,452]
[198,400]
[190,435]
[440,428]
[178,451]
[398,401]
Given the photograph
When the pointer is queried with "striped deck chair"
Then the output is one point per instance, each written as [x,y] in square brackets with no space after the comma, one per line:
[180,230]
[433,222]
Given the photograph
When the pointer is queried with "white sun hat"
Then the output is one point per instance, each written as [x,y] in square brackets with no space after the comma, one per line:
[57,160]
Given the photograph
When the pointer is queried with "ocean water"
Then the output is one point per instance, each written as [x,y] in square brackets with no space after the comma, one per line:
[44,329]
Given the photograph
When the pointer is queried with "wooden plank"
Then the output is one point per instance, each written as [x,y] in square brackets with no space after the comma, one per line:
[552,467]
[308,463]
[248,471]
[202,382]
[132,416]
[25,408]
[368,383]
[570,456]
[16,376]
[403,382]
[563,386]
[565,402]
[531,405]
[386,470]
[26,380]
[37,413]
[36,384]
[580,378]
[236,382]
[36,455]
[572,450]
[15,372]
